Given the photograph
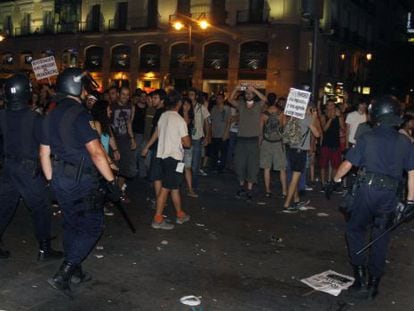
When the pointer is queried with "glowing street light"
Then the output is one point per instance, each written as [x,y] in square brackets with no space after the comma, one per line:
[203,24]
[369,57]
[178,25]
[2,38]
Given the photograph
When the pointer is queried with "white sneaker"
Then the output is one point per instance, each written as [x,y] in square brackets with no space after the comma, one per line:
[162,225]
[181,220]
[108,212]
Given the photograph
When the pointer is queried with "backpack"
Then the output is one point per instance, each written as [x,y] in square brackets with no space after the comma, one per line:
[272,130]
[292,133]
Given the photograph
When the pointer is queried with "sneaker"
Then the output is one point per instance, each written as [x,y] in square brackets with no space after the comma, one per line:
[192,194]
[163,225]
[241,192]
[302,203]
[249,197]
[108,212]
[291,209]
[268,195]
[184,219]
[308,188]
[202,172]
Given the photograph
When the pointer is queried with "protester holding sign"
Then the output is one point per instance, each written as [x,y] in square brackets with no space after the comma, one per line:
[300,131]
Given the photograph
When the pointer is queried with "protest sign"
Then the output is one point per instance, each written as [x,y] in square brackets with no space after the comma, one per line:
[45,67]
[329,282]
[296,103]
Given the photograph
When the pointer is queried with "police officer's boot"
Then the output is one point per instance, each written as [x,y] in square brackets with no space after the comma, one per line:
[80,276]
[359,288]
[3,253]
[61,279]
[46,252]
[373,284]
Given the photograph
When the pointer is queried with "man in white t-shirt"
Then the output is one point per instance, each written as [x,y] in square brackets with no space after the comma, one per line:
[172,139]
[201,133]
[353,120]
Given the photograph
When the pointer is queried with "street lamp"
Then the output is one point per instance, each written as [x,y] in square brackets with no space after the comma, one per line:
[2,38]
[369,56]
[188,22]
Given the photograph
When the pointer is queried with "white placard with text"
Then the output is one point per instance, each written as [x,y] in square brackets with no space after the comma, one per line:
[296,103]
[45,67]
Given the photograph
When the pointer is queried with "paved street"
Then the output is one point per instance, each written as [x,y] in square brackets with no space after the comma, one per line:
[236,256]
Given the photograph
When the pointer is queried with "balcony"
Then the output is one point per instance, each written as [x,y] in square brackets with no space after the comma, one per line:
[252,17]
[140,23]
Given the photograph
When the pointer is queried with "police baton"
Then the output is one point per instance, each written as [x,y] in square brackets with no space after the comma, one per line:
[124,214]
[393,227]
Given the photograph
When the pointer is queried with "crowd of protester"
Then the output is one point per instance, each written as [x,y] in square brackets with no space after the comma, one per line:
[246,133]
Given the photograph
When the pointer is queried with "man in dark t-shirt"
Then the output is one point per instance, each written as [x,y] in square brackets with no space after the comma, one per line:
[332,123]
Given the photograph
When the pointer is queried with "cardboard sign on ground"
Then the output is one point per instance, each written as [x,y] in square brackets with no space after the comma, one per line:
[296,103]
[45,67]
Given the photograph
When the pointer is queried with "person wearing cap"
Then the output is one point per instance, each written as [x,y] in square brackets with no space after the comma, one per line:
[91,100]
[20,128]
[382,154]
[71,156]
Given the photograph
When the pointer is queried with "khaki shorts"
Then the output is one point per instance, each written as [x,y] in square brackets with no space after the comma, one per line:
[272,154]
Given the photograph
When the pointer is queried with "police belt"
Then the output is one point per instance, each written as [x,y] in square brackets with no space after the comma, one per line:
[377,180]
[74,170]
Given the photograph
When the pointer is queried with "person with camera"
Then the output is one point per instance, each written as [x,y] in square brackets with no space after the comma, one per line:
[332,123]
[250,105]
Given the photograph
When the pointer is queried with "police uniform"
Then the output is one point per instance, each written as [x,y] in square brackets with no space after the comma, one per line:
[67,129]
[21,176]
[382,154]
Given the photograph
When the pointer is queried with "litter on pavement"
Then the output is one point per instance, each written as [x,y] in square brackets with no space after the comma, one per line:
[190,300]
[329,282]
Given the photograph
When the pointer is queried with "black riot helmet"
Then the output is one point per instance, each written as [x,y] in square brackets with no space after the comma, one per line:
[70,82]
[385,110]
[17,91]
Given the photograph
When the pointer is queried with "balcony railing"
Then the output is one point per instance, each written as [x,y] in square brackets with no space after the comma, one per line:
[84,27]
[252,17]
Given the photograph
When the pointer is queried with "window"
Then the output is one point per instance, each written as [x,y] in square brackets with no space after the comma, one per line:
[183,7]
[8,59]
[26,24]
[120,58]
[122,16]
[48,22]
[93,58]
[150,56]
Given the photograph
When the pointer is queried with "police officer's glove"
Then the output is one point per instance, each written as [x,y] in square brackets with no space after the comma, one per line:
[408,213]
[114,193]
[330,187]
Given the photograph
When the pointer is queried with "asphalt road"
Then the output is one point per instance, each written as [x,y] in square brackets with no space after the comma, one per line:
[234,255]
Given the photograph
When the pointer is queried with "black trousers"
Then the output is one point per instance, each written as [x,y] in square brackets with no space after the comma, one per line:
[219,152]
[372,209]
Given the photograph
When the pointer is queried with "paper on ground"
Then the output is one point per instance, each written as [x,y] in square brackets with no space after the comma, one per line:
[329,282]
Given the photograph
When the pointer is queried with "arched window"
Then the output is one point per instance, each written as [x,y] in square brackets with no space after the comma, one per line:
[253,60]
[216,60]
[120,60]
[93,58]
[179,55]
[150,56]
[253,55]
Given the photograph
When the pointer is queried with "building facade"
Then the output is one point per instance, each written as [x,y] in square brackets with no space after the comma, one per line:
[264,42]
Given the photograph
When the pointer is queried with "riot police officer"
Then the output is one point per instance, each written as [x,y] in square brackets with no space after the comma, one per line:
[382,154]
[71,156]
[21,176]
